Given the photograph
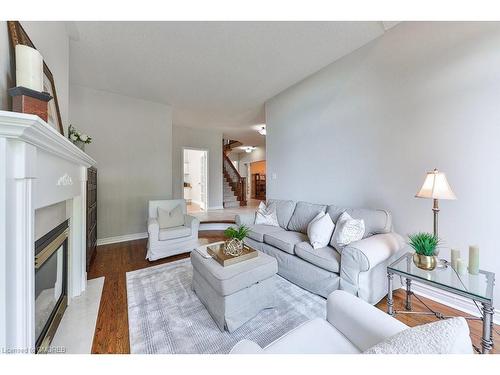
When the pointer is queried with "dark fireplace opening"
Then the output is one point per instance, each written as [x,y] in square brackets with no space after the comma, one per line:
[51,284]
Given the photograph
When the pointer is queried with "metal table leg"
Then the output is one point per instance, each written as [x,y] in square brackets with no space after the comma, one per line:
[390,301]
[487,341]
[408,295]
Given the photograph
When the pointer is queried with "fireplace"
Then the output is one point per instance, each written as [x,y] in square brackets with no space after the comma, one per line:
[39,168]
[51,284]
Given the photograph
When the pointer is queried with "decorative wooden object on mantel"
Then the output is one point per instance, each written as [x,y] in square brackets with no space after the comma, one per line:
[29,101]
[91,215]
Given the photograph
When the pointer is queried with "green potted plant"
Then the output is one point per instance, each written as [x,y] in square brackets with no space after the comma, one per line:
[234,244]
[425,246]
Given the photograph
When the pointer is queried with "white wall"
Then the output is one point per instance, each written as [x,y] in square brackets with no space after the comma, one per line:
[207,139]
[51,39]
[364,130]
[132,144]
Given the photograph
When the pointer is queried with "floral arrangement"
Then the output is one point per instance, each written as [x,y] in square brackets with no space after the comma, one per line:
[74,135]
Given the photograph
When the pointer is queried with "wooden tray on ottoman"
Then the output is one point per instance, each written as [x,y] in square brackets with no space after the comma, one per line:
[217,253]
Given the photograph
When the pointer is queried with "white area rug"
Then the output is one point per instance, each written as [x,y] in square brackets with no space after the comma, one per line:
[166,316]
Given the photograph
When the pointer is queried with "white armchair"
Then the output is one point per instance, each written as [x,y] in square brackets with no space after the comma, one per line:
[170,241]
[352,326]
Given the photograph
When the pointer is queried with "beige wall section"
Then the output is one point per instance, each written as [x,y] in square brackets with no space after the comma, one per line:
[207,139]
[51,39]
[132,144]
[364,130]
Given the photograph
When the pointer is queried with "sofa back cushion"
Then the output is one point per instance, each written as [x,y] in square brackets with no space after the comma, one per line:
[284,210]
[376,221]
[303,214]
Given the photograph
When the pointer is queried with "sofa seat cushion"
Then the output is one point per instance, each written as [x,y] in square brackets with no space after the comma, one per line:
[326,257]
[303,214]
[257,231]
[173,233]
[284,240]
[316,336]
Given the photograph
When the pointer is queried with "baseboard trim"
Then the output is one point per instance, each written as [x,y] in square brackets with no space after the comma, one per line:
[449,299]
[125,237]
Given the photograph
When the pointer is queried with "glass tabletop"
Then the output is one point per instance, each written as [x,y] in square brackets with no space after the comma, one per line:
[477,287]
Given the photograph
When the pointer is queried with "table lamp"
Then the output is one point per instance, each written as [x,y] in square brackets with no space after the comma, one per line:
[436,187]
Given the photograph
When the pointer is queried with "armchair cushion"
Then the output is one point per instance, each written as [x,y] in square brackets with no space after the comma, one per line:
[170,218]
[173,233]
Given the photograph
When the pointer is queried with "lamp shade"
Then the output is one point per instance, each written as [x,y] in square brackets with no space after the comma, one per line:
[436,186]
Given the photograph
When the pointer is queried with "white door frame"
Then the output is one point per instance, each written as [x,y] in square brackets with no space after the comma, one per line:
[206,175]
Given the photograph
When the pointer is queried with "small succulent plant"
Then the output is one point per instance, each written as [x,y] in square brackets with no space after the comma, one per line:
[424,243]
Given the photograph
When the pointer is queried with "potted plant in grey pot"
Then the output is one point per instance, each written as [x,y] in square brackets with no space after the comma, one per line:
[425,246]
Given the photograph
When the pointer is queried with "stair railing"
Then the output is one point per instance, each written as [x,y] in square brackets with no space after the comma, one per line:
[237,182]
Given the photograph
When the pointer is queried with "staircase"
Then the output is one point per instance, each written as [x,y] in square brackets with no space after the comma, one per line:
[230,198]
[234,185]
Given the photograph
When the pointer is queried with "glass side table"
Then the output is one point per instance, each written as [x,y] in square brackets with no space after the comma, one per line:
[478,288]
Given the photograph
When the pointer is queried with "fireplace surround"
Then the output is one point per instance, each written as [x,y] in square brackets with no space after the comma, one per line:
[39,167]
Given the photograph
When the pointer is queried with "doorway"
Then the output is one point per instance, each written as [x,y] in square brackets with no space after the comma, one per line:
[195,181]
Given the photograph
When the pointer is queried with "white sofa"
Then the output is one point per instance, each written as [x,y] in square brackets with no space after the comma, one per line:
[351,327]
[361,267]
[170,241]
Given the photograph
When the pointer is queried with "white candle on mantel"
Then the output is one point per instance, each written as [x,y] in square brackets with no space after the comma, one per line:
[473,260]
[461,267]
[29,68]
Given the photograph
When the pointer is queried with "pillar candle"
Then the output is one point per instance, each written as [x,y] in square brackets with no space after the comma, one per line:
[455,254]
[29,68]
[461,267]
[473,260]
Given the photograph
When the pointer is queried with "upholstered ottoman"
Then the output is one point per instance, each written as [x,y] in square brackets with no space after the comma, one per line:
[237,293]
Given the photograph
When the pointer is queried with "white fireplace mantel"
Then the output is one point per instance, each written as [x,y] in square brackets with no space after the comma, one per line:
[38,167]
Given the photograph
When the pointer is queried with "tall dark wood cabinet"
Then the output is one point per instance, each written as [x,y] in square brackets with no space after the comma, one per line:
[91,215]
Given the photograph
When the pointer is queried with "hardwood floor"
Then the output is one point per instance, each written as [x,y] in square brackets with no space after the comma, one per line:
[113,261]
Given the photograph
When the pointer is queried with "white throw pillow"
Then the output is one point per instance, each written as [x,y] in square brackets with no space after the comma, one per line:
[448,336]
[320,230]
[170,219]
[347,230]
[266,215]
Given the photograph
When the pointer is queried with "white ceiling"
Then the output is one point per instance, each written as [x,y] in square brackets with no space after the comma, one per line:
[214,74]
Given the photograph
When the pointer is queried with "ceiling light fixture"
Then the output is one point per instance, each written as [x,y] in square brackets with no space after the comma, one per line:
[262,130]
[249,149]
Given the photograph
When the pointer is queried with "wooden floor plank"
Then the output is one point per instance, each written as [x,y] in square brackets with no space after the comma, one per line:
[114,260]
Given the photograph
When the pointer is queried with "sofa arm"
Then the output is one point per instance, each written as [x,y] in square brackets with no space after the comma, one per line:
[153,228]
[246,347]
[366,254]
[245,219]
[361,323]
[192,222]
